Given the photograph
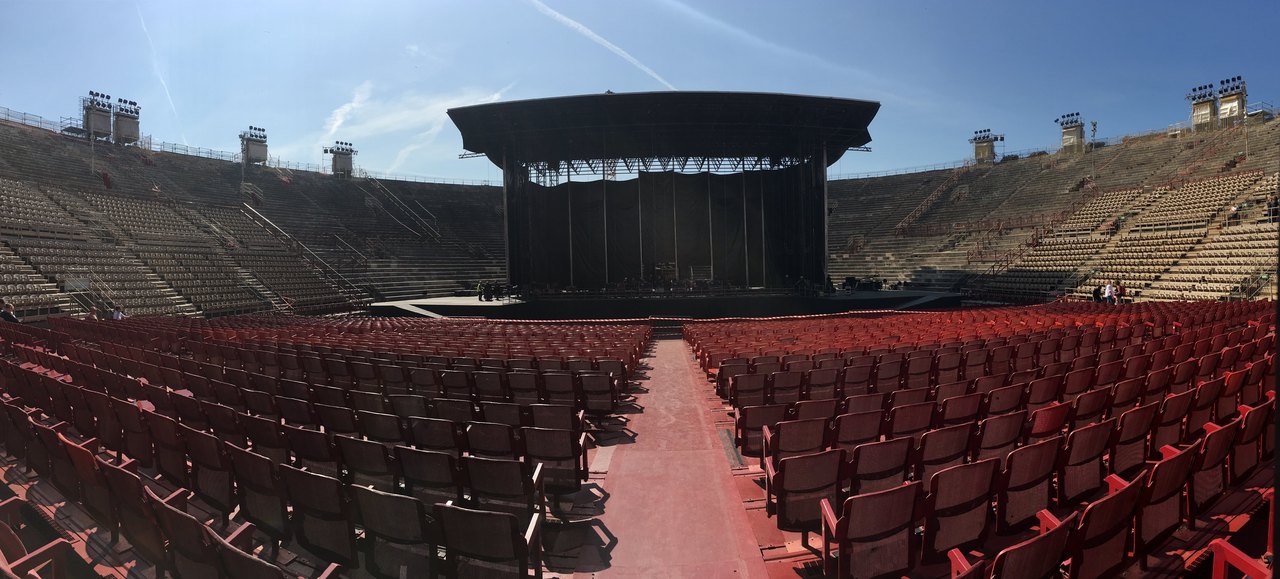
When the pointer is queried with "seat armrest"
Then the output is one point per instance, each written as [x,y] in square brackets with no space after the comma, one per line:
[1210,428]
[1227,555]
[958,563]
[828,516]
[53,552]
[531,533]
[1168,450]
[242,537]
[1048,522]
[333,571]
[1115,483]
[91,445]
[11,509]
[177,499]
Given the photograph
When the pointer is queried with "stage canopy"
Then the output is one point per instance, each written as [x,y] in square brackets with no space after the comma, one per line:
[664,124]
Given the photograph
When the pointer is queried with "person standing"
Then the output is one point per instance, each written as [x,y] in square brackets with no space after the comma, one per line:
[1109,293]
[1097,294]
[117,314]
[1119,292]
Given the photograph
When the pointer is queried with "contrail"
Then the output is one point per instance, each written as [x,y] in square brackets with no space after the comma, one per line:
[596,38]
[155,66]
[749,37]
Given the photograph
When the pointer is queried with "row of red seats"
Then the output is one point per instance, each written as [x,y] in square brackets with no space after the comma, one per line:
[220,469]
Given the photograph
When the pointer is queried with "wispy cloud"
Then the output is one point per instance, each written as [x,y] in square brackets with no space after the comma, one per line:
[339,115]
[155,67]
[391,130]
[438,120]
[596,38]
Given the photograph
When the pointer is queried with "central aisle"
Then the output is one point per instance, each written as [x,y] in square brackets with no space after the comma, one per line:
[672,503]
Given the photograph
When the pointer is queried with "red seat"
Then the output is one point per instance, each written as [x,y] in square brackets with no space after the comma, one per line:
[1100,545]
[873,533]
[793,438]
[1038,557]
[1129,443]
[796,486]
[957,510]
[1208,475]
[876,466]
[1162,507]
[1026,483]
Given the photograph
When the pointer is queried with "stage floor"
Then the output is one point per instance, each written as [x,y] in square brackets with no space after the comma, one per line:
[748,305]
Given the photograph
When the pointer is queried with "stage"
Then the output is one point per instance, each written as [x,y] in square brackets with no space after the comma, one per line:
[705,306]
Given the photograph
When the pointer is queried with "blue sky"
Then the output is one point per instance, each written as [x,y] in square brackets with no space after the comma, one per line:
[381,74]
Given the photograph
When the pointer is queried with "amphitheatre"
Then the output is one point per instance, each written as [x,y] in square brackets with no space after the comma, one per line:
[623,357]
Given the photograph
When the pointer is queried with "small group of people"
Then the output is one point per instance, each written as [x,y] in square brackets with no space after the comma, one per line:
[1112,293]
[116,314]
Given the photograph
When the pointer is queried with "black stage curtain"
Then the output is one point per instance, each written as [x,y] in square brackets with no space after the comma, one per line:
[547,241]
[758,228]
[659,219]
[622,205]
[589,243]
[727,229]
[693,221]
[755,228]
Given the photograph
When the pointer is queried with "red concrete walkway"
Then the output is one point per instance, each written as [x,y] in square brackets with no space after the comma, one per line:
[672,504]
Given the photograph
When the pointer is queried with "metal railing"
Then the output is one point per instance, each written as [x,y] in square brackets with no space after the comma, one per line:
[149,144]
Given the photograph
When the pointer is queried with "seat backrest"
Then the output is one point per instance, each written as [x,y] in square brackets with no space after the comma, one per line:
[484,535]
[1039,557]
[959,503]
[941,448]
[1026,483]
[879,465]
[875,532]
[1101,545]
[794,437]
[800,485]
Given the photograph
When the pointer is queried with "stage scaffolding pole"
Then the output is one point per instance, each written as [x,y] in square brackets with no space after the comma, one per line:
[746,246]
[604,199]
[711,237]
[826,249]
[675,228]
[640,221]
[568,192]
[764,247]
[506,213]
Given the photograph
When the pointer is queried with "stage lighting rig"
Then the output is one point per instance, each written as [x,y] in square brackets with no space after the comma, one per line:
[986,136]
[127,108]
[341,148]
[1231,86]
[256,134]
[1069,120]
[1202,93]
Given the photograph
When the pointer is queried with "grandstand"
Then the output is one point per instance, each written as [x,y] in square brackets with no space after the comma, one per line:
[250,417]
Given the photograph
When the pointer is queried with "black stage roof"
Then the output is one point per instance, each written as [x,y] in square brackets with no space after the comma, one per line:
[664,124]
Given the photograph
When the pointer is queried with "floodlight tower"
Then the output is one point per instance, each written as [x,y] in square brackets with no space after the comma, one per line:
[984,145]
[1072,132]
[97,114]
[1203,106]
[96,111]
[253,148]
[1232,94]
[341,152]
[125,128]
